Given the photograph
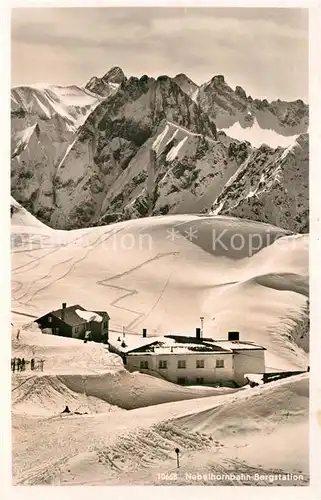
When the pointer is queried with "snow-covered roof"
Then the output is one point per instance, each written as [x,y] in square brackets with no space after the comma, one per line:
[88,315]
[132,341]
[176,345]
[77,315]
[238,345]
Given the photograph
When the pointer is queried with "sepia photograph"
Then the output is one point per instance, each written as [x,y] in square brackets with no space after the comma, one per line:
[160,309]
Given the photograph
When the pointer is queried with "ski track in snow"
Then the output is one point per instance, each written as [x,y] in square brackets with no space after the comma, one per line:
[129,292]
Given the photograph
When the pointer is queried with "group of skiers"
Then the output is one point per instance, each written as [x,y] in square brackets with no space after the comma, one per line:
[20,364]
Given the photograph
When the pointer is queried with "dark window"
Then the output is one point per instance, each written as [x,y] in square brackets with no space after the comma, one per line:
[181,380]
[200,380]
[220,363]
[181,363]
[162,364]
[200,363]
[144,365]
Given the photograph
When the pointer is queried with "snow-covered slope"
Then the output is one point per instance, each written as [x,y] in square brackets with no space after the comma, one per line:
[258,136]
[133,447]
[162,273]
[71,103]
[44,121]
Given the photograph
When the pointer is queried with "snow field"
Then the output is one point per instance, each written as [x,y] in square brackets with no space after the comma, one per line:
[139,444]
[155,273]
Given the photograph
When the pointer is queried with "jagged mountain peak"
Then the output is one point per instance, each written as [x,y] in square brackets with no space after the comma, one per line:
[108,84]
[140,104]
[240,92]
[217,80]
[114,75]
[183,77]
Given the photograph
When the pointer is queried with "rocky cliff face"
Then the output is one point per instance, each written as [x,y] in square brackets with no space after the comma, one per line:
[227,106]
[108,84]
[272,185]
[130,147]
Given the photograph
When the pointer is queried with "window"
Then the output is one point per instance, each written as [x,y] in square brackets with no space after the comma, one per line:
[220,363]
[162,364]
[76,329]
[200,363]
[49,319]
[144,365]
[200,380]
[181,363]
[181,380]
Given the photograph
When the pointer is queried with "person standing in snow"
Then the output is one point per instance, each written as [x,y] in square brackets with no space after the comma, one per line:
[23,364]
[18,333]
[32,364]
[13,364]
[18,364]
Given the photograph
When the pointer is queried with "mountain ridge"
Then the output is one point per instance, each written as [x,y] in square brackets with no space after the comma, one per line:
[92,158]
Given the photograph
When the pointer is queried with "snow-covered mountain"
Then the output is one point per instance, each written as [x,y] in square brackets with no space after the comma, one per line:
[272,185]
[123,148]
[227,106]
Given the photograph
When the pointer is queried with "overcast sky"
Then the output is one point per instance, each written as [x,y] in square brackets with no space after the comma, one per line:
[263,50]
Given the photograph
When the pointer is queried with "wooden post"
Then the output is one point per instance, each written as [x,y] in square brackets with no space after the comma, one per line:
[177,456]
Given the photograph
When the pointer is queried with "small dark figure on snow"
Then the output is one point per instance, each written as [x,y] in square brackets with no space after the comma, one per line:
[18,364]
[23,364]
[13,364]
[66,410]
[18,334]
[32,364]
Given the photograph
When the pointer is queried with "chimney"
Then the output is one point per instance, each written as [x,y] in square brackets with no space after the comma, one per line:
[233,335]
[198,333]
[144,332]
[64,305]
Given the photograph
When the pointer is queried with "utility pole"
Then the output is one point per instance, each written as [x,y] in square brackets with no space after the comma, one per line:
[202,321]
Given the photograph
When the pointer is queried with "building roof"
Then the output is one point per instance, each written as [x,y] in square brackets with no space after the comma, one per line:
[176,344]
[233,345]
[71,317]
[163,345]
[132,342]
[239,345]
